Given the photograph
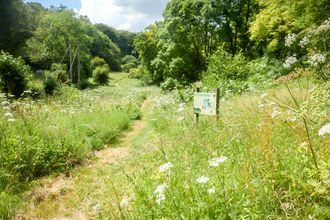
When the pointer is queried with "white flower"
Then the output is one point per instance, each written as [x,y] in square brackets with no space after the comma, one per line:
[215,161]
[8,114]
[97,207]
[124,202]
[180,109]
[202,179]
[324,130]
[11,120]
[165,167]
[212,190]
[316,59]
[291,60]
[160,198]
[290,39]
[304,41]
[263,95]
[180,118]
[27,91]
[161,188]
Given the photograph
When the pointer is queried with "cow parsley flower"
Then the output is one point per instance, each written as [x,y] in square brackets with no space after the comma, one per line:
[215,161]
[288,62]
[325,129]
[316,59]
[180,118]
[202,179]
[212,190]
[97,207]
[11,120]
[160,193]
[8,114]
[290,39]
[165,167]
[124,202]
[303,42]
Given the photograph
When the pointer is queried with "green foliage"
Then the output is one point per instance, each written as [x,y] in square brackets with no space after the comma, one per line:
[170,84]
[51,84]
[97,61]
[126,67]
[225,68]
[101,75]
[14,74]
[129,59]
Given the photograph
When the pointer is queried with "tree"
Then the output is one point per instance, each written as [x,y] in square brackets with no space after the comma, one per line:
[14,74]
[101,75]
[14,26]
[52,39]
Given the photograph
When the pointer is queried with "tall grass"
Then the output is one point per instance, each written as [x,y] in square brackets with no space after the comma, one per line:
[270,172]
[40,137]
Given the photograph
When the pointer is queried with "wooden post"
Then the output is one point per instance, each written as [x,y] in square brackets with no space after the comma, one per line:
[78,66]
[196,118]
[71,62]
[217,92]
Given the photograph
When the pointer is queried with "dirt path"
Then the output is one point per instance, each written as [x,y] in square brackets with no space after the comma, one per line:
[117,84]
[78,195]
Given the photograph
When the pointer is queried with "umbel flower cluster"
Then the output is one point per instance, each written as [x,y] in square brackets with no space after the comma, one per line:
[291,60]
[316,59]
[290,39]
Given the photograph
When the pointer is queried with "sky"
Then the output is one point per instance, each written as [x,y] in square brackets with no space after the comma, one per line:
[131,15]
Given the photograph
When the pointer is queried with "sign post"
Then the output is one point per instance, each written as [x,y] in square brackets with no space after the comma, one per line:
[206,104]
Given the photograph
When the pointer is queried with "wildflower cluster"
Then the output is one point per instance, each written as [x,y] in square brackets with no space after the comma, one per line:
[203,179]
[160,193]
[304,42]
[290,39]
[288,62]
[165,167]
[215,161]
[325,129]
[124,203]
[316,59]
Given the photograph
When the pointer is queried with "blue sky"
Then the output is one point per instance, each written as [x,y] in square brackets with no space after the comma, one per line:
[71,4]
[131,15]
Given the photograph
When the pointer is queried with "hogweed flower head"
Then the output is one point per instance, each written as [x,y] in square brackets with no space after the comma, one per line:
[304,42]
[124,202]
[202,179]
[325,129]
[288,62]
[316,59]
[290,39]
[165,167]
[212,190]
[215,161]
[8,114]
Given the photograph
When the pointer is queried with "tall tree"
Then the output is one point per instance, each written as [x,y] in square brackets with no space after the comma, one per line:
[13,26]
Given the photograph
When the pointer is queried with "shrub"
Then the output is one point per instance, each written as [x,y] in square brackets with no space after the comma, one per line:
[50,85]
[126,67]
[101,75]
[170,84]
[97,61]
[14,74]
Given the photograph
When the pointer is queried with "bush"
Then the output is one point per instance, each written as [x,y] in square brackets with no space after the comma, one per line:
[97,61]
[101,75]
[14,74]
[126,67]
[50,85]
[170,84]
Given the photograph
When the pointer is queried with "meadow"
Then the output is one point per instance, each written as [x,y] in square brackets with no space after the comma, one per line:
[265,158]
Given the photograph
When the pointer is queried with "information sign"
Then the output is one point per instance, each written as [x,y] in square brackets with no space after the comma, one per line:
[205,103]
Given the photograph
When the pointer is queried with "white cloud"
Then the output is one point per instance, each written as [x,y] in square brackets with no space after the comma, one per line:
[132,15]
